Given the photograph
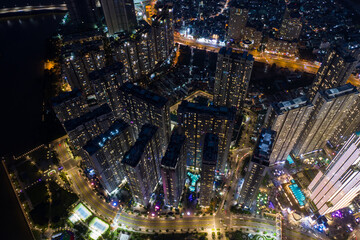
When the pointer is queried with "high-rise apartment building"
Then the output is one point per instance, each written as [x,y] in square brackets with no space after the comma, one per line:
[142,164]
[83,12]
[86,127]
[334,71]
[287,119]
[195,120]
[208,168]
[331,106]
[237,23]
[290,27]
[79,60]
[69,105]
[349,125]
[339,184]
[106,83]
[257,168]
[119,15]
[251,38]
[173,169]
[141,106]
[149,12]
[136,52]
[232,77]
[106,150]
[163,32]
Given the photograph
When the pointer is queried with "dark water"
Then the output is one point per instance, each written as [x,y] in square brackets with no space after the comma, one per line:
[12,220]
[20,3]
[22,52]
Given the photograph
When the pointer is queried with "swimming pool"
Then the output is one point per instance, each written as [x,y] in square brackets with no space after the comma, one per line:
[193,179]
[290,160]
[295,189]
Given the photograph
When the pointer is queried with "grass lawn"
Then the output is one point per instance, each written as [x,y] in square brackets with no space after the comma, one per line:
[28,173]
[37,193]
[61,201]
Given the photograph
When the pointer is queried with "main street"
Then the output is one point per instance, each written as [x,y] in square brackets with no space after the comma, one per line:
[222,220]
[80,185]
[232,180]
[282,61]
[292,63]
[104,210]
[190,223]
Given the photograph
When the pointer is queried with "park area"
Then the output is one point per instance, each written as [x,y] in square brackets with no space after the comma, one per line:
[49,203]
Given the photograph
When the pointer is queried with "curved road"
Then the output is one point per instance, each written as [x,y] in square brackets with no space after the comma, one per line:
[187,223]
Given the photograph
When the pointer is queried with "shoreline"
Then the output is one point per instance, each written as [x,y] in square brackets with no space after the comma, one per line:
[18,205]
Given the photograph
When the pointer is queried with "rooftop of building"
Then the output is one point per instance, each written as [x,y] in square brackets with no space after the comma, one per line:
[74,123]
[295,14]
[111,69]
[210,151]
[82,36]
[295,103]
[229,52]
[158,20]
[163,11]
[80,49]
[220,111]
[143,94]
[264,145]
[63,97]
[99,142]
[142,28]
[343,90]
[133,156]
[173,150]
[344,53]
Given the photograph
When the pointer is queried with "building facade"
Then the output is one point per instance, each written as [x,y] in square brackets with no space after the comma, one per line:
[173,169]
[251,38]
[232,77]
[105,150]
[86,127]
[208,167]
[288,120]
[79,60]
[106,83]
[195,120]
[69,105]
[334,71]
[141,106]
[276,46]
[331,106]
[257,168]
[349,125]
[290,29]
[137,52]
[141,164]
[339,184]
[237,22]
[163,32]
[119,15]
